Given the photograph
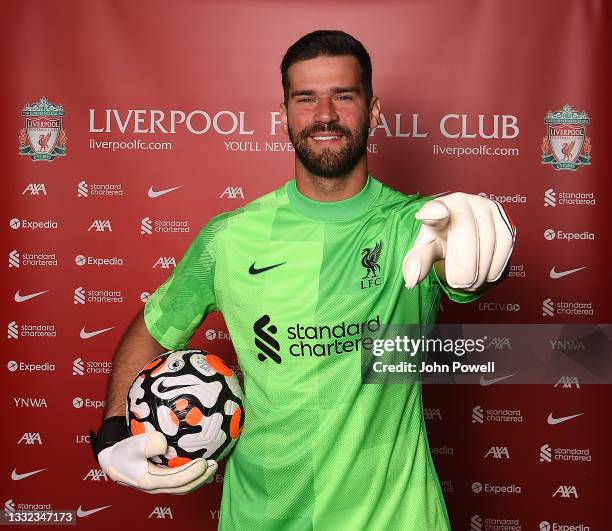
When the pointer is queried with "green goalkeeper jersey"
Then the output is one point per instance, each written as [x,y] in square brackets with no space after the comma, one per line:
[297,282]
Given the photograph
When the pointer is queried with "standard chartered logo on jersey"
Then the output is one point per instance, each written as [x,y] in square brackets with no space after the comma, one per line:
[312,340]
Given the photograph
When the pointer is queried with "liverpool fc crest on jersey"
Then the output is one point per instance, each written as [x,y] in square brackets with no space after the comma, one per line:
[369,260]
[566,146]
[42,136]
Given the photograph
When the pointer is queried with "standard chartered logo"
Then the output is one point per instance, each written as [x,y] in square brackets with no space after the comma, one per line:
[548,308]
[477,415]
[14,258]
[476,523]
[264,341]
[78,368]
[146,227]
[545,454]
[82,189]
[550,198]
[13,330]
[79,296]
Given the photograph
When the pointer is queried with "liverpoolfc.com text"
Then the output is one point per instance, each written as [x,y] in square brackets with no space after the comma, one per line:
[482,151]
[115,145]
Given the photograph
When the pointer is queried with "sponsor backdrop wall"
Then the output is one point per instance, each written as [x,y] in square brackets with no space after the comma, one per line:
[129,125]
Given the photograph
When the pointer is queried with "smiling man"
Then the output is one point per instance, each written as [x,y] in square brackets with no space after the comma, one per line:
[299,275]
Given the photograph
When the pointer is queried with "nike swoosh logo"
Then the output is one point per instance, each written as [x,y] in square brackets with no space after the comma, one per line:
[560,274]
[552,420]
[82,513]
[255,271]
[87,335]
[17,477]
[163,389]
[152,193]
[23,298]
[491,381]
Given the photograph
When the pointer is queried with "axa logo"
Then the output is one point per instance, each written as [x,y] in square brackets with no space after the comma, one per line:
[498,452]
[265,341]
[30,438]
[500,343]
[432,413]
[100,225]
[35,189]
[566,491]
[567,382]
[29,402]
[161,512]
[165,262]
[95,474]
[369,260]
[232,192]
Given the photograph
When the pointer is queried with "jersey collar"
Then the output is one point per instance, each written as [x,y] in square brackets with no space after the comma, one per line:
[347,209]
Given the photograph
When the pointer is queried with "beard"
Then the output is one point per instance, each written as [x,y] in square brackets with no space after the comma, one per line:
[330,163]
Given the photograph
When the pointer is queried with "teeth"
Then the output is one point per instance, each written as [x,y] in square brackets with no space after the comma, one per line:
[325,137]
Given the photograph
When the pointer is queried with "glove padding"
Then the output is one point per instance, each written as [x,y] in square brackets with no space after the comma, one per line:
[472,234]
[125,459]
[126,462]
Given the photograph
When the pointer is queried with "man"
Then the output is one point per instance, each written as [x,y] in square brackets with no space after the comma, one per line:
[298,274]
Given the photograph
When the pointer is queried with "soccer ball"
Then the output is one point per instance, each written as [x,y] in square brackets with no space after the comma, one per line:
[191,397]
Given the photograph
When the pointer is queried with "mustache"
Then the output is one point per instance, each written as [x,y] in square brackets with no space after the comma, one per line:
[323,128]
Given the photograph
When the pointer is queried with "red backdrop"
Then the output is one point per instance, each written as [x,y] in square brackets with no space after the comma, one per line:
[82,232]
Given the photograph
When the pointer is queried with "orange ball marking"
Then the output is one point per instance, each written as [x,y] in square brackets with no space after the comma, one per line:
[181,404]
[178,461]
[235,427]
[175,420]
[194,416]
[217,363]
[136,427]
[152,364]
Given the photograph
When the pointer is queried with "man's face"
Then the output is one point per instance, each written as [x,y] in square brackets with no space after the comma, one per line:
[327,116]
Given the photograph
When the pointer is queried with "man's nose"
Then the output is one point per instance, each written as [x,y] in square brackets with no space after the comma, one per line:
[326,111]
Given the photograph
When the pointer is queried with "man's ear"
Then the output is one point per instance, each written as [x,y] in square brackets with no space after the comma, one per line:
[374,111]
[283,117]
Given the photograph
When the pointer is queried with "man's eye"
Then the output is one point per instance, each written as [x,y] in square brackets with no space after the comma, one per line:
[345,97]
[305,100]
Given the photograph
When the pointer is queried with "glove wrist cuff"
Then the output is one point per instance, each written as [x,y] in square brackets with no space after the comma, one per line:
[113,430]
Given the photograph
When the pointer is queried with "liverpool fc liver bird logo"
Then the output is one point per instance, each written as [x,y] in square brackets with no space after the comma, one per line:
[567,148]
[370,259]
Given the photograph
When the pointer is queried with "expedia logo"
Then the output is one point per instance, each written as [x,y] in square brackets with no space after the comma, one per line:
[269,347]
[369,259]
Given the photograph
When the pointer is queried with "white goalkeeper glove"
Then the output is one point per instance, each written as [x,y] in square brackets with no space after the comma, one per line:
[125,459]
[472,234]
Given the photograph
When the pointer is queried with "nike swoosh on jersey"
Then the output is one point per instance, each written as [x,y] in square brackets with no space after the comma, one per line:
[153,193]
[81,512]
[16,477]
[23,298]
[87,335]
[552,420]
[560,274]
[255,271]
[491,381]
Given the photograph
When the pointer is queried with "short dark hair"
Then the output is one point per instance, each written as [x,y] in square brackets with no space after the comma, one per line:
[327,43]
